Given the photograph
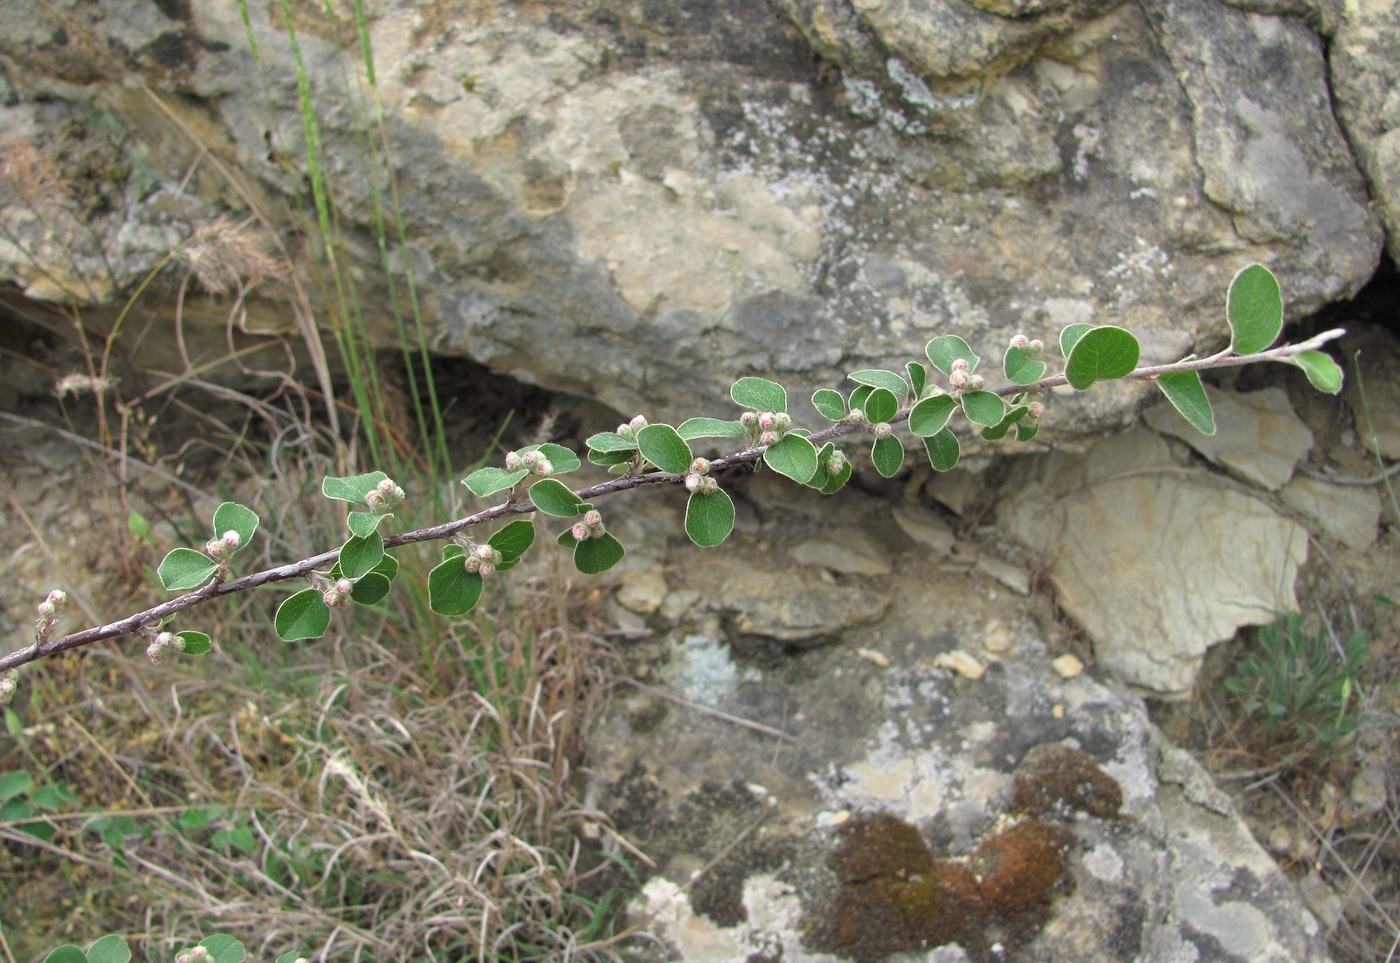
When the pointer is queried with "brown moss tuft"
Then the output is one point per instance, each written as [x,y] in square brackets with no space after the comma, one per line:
[876,845]
[1021,868]
[1054,779]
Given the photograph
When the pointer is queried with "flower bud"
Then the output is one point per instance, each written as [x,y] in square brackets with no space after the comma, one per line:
[976,382]
[386,487]
[700,466]
[232,539]
[530,459]
[1035,349]
[883,430]
[957,378]
[544,467]
[782,421]
[637,423]
[766,420]
[485,553]
[375,502]
[472,563]
[593,517]
[836,463]
[7,690]
[579,531]
[343,586]
[596,531]
[155,653]
[1019,341]
[1035,410]
[215,548]
[692,484]
[961,364]
[708,486]
[749,419]
[331,598]
[47,609]
[164,639]
[58,597]
[487,568]
[513,461]
[768,438]
[856,416]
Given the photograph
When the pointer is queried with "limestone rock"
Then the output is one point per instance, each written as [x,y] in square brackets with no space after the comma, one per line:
[1348,513]
[849,551]
[1257,435]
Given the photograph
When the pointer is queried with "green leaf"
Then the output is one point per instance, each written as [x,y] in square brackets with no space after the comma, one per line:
[1323,373]
[485,482]
[359,556]
[185,569]
[999,430]
[829,404]
[515,539]
[859,396]
[561,459]
[663,446]
[1070,336]
[943,450]
[947,349]
[887,455]
[1105,353]
[931,415]
[609,458]
[53,795]
[594,555]
[880,405]
[693,428]
[66,954]
[1019,367]
[13,784]
[291,956]
[983,408]
[1254,308]
[1026,432]
[351,488]
[759,394]
[224,948]
[231,516]
[879,378]
[370,588]
[1188,396]
[709,518]
[452,590]
[361,524]
[793,456]
[554,498]
[303,616]
[610,441]
[110,949]
[918,375]
[196,643]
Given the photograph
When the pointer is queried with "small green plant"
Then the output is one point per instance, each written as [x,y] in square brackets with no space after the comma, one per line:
[219,948]
[1301,688]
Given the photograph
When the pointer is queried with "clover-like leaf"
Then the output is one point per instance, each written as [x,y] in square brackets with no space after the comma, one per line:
[1103,354]
[515,539]
[1254,308]
[880,405]
[693,428]
[829,404]
[1188,396]
[1019,367]
[945,350]
[485,482]
[759,394]
[303,616]
[792,456]
[452,590]
[554,498]
[561,459]
[663,446]
[595,555]
[111,948]
[194,643]
[184,569]
[983,408]
[361,524]
[223,948]
[887,455]
[931,415]
[709,518]
[1070,335]
[359,556]
[1323,373]
[231,516]
[880,378]
[943,450]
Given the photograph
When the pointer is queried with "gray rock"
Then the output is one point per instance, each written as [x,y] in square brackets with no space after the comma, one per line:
[1257,435]
[1348,513]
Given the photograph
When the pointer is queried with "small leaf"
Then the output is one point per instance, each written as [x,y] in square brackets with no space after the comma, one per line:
[370,588]
[880,405]
[947,349]
[554,498]
[359,556]
[361,524]
[291,956]
[561,459]
[196,643]
[858,397]
[388,567]
[222,947]
[1103,354]
[943,450]
[759,394]
[610,441]
[1254,308]
[515,539]
[452,590]
[66,954]
[983,408]
[931,415]
[1026,432]
[608,458]
[1070,335]
[1019,367]
[110,949]
[485,482]
[879,378]
[351,488]
[829,404]
[794,457]
[231,516]
[693,428]
[887,455]
[918,375]
[595,555]
[709,518]
[303,616]
[663,446]
[185,569]
[13,784]
[1323,373]
[1188,396]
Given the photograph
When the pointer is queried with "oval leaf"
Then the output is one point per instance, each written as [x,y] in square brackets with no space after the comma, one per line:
[184,569]
[931,415]
[359,556]
[110,949]
[983,408]
[947,349]
[879,378]
[663,446]
[609,441]
[1019,367]
[759,394]
[1323,373]
[1105,353]
[554,498]
[370,589]
[224,948]
[693,428]
[485,482]
[231,516]
[880,405]
[513,540]
[452,590]
[1254,308]
[887,455]
[303,616]
[709,518]
[195,643]
[943,450]
[1188,396]
[1070,335]
[794,457]
[351,488]
[361,524]
[829,404]
[66,954]
[594,555]
[917,376]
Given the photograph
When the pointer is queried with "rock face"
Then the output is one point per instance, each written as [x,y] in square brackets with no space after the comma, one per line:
[640,202]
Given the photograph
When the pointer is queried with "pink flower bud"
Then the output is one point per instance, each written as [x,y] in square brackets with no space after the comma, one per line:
[596,531]
[164,639]
[961,364]
[692,484]
[47,609]
[544,467]
[593,517]
[976,382]
[513,461]
[579,531]
[331,598]
[343,586]
[530,459]
[155,653]
[232,539]
[1019,341]
[58,597]
[957,378]
[487,569]
[768,438]
[637,423]
[766,420]
[700,466]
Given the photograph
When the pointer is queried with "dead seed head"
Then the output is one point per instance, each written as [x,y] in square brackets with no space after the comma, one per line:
[225,254]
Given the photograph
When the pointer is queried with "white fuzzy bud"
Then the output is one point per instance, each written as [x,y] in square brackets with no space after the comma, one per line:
[579,531]
[473,564]
[692,484]
[331,598]
[700,466]
[596,531]
[343,586]
[232,539]
[749,419]
[1035,349]
[215,548]
[47,609]
[836,463]
[883,430]
[782,421]
[386,487]
[856,416]
[164,639]
[487,569]
[637,423]
[957,378]
[513,461]
[58,597]
[375,501]
[593,517]
[708,486]
[544,467]
[1035,410]
[155,653]
[530,459]
[961,364]
[976,382]
[7,689]
[485,553]
[1019,341]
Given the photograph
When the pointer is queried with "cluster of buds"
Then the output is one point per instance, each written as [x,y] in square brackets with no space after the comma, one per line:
[962,379]
[482,559]
[195,954]
[160,643]
[9,682]
[1033,347]
[48,612]
[590,527]
[766,426]
[226,544]
[629,429]
[383,498]
[1034,410]
[338,593]
[698,480]
[836,462]
[532,461]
